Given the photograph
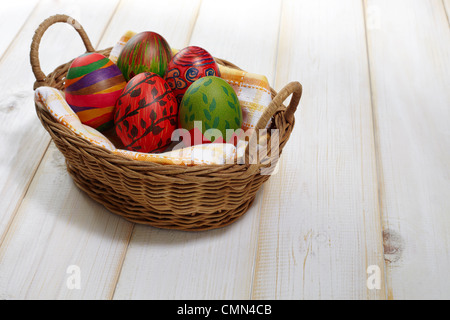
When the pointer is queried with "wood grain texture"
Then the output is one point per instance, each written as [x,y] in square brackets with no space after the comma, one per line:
[58,227]
[36,246]
[239,32]
[320,227]
[12,17]
[23,136]
[447,9]
[172,19]
[409,51]
[216,264]
[16,170]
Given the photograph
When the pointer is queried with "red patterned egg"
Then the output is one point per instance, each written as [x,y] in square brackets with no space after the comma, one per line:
[146,114]
[144,52]
[92,86]
[188,65]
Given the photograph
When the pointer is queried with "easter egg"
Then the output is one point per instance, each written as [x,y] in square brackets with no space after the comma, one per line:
[146,114]
[187,66]
[144,52]
[212,101]
[92,86]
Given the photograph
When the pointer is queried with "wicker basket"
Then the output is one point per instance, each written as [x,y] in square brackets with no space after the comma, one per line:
[190,198]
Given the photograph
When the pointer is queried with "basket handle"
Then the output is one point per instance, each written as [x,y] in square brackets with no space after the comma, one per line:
[293,88]
[34,50]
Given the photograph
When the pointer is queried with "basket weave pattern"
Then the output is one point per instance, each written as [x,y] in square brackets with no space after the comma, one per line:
[190,198]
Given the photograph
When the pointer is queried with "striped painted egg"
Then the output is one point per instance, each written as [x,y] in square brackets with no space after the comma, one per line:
[146,114]
[188,65]
[92,86]
[144,52]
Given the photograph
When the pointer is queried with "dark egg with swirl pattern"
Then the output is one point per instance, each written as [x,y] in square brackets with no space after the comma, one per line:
[187,66]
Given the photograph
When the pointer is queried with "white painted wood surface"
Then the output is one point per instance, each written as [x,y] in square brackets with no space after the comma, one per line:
[363,182]
[20,10]
[23,138]
[447,8]
[410,67]
[320,227]
[36,248]
[16,170]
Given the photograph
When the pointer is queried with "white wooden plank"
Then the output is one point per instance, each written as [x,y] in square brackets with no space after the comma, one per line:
[23,138]
[173,19]
[52,243]
[55,243]
[12,18]
[447,9]
[320,227]
[240,32]
[216,264]
[409,49]
[16,109]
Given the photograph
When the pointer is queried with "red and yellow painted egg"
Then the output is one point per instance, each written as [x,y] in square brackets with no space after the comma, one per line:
[187,66]
[92,86]
[144,52]
[146,114]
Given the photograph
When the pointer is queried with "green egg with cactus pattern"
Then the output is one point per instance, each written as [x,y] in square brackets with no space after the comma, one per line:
[212,101]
